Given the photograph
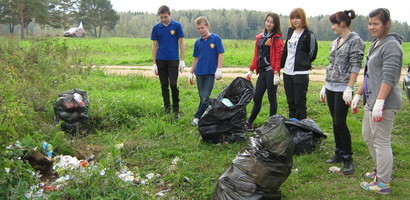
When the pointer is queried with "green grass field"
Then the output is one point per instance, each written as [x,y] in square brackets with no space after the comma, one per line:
[137,51]
[128,110]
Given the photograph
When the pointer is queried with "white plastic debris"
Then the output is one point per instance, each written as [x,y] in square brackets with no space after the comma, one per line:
[334,169]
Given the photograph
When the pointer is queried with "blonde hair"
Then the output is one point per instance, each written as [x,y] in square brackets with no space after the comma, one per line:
[298,13]
[201,20]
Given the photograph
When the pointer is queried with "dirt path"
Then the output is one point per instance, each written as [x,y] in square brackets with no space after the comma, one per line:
[315,74]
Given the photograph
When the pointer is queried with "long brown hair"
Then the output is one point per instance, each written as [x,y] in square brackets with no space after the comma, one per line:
[276,22]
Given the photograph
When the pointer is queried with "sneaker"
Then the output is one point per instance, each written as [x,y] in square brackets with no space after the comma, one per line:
[195,121]
[370,175]
[376,186]
[249,126]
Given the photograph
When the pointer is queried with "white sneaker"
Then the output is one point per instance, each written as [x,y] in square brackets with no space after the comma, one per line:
[195,121]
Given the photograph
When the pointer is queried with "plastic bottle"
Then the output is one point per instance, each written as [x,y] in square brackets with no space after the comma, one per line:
[48,149]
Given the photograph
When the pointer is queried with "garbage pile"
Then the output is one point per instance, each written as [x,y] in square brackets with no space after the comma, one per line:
[224,120]
[306,134]
[259,170]
[71,107]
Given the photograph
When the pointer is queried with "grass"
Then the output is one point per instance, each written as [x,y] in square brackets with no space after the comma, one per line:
[137,51]
[128,110]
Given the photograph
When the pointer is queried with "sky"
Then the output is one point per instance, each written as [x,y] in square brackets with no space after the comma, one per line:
[398,8]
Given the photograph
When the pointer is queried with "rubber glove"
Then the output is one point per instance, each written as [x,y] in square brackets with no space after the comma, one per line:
[191,78]
[377,113]
[218,74]
[322,94]
[181,65]
[348,94]
[155,69]
[276,79]
[249,74]
[355,103]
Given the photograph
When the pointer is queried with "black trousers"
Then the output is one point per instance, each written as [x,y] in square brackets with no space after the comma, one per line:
[168,71]
[338,109]
[264,82]
[296,87]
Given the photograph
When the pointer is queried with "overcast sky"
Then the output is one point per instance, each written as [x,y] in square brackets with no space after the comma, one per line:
[398,8]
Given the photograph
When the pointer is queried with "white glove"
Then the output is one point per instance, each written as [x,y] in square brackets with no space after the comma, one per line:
[155,69]
[377,113]
[249,74]
[191,78]
[218,74]
[322,94]
[347,95]
[181,65]
[276,79]
[355,103]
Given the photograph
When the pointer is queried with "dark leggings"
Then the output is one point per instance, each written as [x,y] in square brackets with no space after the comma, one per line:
[338,109]
[264,82]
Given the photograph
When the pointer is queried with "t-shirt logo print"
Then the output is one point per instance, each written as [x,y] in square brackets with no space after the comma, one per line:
[212,45]
[172,32]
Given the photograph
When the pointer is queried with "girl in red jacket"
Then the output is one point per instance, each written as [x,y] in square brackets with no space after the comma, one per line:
[266,62]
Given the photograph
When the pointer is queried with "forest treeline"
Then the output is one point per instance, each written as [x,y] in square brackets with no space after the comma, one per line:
[238,24]
[229,24]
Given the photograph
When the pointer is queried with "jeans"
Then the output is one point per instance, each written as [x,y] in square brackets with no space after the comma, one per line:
[264,82]
[296,87]
[377,136]
[168,76]
[338,110]
[205,85]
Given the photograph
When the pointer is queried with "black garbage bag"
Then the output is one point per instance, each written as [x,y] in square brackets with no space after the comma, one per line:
[262,167]
[71,108]
[306,135]
[224,122]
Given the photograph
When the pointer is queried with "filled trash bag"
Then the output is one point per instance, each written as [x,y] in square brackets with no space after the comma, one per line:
[224,119]
[306,134]
[71,107]
[260,169]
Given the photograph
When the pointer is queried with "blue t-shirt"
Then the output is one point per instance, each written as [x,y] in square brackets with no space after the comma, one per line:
[207,53]
[167,37]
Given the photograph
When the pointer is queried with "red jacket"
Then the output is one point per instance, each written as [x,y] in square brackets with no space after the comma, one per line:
[275,53]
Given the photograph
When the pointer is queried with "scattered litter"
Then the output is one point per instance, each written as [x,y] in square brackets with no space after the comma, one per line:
[187,179]
[162,193]
[149,176]
[176,160]
[48,149]
[296,170]
[119,146]
[334,169]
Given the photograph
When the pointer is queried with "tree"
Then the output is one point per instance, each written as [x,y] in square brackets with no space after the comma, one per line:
[62,13]
[98,14]
[23,12]
[9,14]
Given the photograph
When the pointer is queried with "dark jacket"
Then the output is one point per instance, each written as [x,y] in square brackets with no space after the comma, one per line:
[306,50]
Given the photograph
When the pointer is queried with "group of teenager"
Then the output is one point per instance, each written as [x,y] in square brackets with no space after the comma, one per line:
[379,91]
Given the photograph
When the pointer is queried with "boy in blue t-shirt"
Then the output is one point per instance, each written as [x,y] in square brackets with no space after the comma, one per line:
[207,64]
[167,36]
